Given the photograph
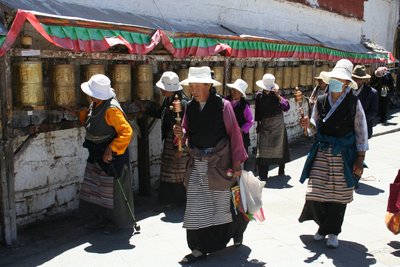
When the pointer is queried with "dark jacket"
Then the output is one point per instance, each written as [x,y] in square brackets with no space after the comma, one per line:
[369,100]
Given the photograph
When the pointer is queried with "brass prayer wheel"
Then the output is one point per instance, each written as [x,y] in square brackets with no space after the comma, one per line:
[236,73]
[303,75]
[121,81]
[279,75]
[29,79]
[144,88]
[258,75]
[294,82]
[183,74]
[310,76]
[89,71]
[325,67]
[219,76]
[287,76]
[64,91]
[248,77]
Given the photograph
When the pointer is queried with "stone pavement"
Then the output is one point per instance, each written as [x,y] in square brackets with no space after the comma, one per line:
[279,241]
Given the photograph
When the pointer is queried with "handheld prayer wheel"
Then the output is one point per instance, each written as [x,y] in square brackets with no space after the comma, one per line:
[236,73]
[310,75]
[177,108]
[248,77]
[298,98]
[29,79]
[144,88]
[219,76]
[258,75]
[287,76]
[64,92]
[279,75]
[303,75]
[294,82]
[121,81]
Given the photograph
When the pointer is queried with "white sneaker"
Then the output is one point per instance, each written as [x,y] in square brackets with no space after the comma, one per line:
[318,237]
[332,241]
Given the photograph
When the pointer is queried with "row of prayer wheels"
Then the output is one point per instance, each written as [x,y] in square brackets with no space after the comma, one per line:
[28,77]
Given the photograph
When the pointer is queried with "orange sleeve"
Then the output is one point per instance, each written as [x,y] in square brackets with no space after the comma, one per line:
[116,118]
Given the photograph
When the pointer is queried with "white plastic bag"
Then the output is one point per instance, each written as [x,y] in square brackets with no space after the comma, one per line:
[250,192]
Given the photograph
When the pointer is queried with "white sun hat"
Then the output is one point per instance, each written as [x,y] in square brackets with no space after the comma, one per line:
[98,86]
[239,85]
[200,75]
[169,81]
[343,70]
[323,76]
[267,82]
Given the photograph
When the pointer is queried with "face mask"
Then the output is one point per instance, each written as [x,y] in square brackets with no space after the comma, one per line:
[335,86]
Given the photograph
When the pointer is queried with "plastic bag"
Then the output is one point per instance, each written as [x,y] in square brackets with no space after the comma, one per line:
[251,192]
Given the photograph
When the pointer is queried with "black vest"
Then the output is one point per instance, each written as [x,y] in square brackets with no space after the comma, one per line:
[267,105]
[239,114]
[341,122]
[206,127]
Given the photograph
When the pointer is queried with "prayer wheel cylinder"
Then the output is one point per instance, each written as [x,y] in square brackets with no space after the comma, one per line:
[89,71]
[64,91]
[270,70]
[144,89]
[248,77]
[287,76]
[183,74]
[236,73]
[325,67]
[121,81]
[303,75]
[294,82]
[279,76]
[258,75]
[29,77]
[219,76]
[310,76]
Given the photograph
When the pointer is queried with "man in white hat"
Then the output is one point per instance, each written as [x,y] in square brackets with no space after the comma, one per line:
[335,162]
[242,110]
[272,145]
[320,89]
[171,192]
[215,146]
[108,134]
[367,95]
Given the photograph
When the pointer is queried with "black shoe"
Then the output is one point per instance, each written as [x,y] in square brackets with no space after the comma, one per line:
[191,258]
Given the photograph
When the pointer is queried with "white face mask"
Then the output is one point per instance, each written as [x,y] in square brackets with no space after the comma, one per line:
[335,86]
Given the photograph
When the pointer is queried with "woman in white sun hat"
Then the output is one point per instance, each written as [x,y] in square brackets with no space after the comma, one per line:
[215,145]
[272,145]
[336,158]
[108,135]
[242,110]
[171,192]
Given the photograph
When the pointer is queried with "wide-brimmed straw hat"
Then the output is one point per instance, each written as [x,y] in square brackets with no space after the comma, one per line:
[239,85]
[98,86]
[360,72]
[343,70]
[323,76]
[200,75]
[169,81]
[267,82]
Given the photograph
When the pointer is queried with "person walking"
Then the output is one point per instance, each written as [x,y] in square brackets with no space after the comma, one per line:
[171,192]
[107,183]
[318,90]
[273,145]
[242,110]
[383,82]
[215,146]
[337,155]
[368,96]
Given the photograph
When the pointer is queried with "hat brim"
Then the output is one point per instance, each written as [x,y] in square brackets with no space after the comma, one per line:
[367,76]
[233,86]
[169,87]
[260,84]
[200,80]
[87,90]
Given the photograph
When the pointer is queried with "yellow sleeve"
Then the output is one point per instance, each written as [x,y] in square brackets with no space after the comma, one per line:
[115,118]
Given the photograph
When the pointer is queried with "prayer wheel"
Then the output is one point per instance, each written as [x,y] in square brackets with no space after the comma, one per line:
[303,75]
[89,71]
[258,75]
[270,70]
[144,88]
[219,76]
[121,81]
[325,67]
[236,73]
[64,91]
[29,78]
[279,75]
[294,82]
[310,76]
[287,76]
[183,74]
[248,77]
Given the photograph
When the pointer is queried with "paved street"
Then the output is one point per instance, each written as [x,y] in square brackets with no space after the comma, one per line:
[279,241]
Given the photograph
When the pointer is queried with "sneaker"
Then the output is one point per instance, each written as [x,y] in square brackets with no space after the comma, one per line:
[318,237]
[332,241]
